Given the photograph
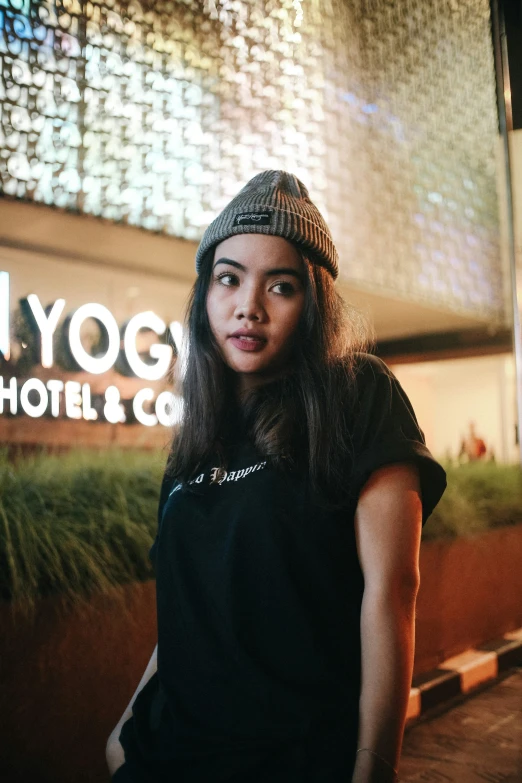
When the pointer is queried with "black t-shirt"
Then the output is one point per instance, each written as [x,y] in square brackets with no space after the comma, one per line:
[259,592]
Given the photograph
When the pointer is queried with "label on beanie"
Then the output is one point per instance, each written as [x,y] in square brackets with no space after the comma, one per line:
[253,218]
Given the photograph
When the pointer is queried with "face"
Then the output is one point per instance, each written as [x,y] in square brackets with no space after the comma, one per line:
[254,302]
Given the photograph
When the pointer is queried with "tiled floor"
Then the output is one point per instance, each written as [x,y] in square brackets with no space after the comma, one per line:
[477,739]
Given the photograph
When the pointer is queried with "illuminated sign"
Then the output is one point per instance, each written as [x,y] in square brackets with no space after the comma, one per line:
[37,398]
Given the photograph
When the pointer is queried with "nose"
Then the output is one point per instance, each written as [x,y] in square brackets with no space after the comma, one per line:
[250,304]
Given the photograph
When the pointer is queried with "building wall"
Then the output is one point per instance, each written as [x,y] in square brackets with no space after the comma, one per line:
[122,292]
[516,183]
[155,116]
[447,395]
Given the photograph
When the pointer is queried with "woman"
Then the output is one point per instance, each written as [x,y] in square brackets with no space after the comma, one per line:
[289,525]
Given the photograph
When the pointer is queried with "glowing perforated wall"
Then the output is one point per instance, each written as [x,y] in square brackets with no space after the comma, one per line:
[155,113]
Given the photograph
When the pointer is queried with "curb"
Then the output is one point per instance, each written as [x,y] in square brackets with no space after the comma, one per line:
[463,673]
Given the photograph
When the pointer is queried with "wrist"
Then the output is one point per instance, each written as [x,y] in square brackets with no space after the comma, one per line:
[371,767]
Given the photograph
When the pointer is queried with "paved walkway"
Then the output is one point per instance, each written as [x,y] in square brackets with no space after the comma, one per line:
[478,738]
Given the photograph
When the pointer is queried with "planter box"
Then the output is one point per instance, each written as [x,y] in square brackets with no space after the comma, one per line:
[471,592]
[65,678]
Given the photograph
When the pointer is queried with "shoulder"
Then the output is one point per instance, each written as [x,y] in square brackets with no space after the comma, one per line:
[362,364]
[359,376]
[380,402]
[368,365]
[359,361]
[366,374]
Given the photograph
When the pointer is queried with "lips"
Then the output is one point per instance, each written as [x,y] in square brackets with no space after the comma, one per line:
[248,333]
[247,341]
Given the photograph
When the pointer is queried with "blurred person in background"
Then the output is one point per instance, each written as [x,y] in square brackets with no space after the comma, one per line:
[290,520]
[472,447]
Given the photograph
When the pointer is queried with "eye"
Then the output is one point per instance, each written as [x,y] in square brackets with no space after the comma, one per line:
[285,288]
[227,278]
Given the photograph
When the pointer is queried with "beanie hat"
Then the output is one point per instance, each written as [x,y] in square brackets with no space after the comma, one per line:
[276,203]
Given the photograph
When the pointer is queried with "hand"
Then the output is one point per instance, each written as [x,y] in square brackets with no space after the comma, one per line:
[114,752]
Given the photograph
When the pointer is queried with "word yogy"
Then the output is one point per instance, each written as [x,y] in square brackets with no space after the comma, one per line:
[36,398]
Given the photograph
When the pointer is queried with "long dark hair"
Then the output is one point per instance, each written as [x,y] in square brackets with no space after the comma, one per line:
[299,421]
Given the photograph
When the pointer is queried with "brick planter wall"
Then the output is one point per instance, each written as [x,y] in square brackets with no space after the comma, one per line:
[65,679]
[471,591]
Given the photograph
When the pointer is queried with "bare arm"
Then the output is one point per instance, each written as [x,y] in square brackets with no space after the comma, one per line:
[114,751]
[388,530]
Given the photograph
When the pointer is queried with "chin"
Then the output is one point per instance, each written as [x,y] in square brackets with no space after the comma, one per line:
[250,368]
[248,365]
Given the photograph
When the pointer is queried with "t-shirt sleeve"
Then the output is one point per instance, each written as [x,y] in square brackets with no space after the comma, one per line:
[386,430]
[166,485]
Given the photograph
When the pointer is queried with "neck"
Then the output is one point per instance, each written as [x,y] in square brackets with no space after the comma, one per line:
[245,382]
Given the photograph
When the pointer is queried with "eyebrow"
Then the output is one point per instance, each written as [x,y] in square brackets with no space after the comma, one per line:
[280,270]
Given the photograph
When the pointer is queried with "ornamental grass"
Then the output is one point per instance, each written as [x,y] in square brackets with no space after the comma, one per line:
[76,524]
[83,522]
[480,496]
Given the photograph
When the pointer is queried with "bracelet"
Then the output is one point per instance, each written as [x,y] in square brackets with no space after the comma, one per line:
[379,757]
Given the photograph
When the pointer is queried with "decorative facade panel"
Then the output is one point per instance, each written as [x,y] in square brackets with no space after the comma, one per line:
[156,113]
